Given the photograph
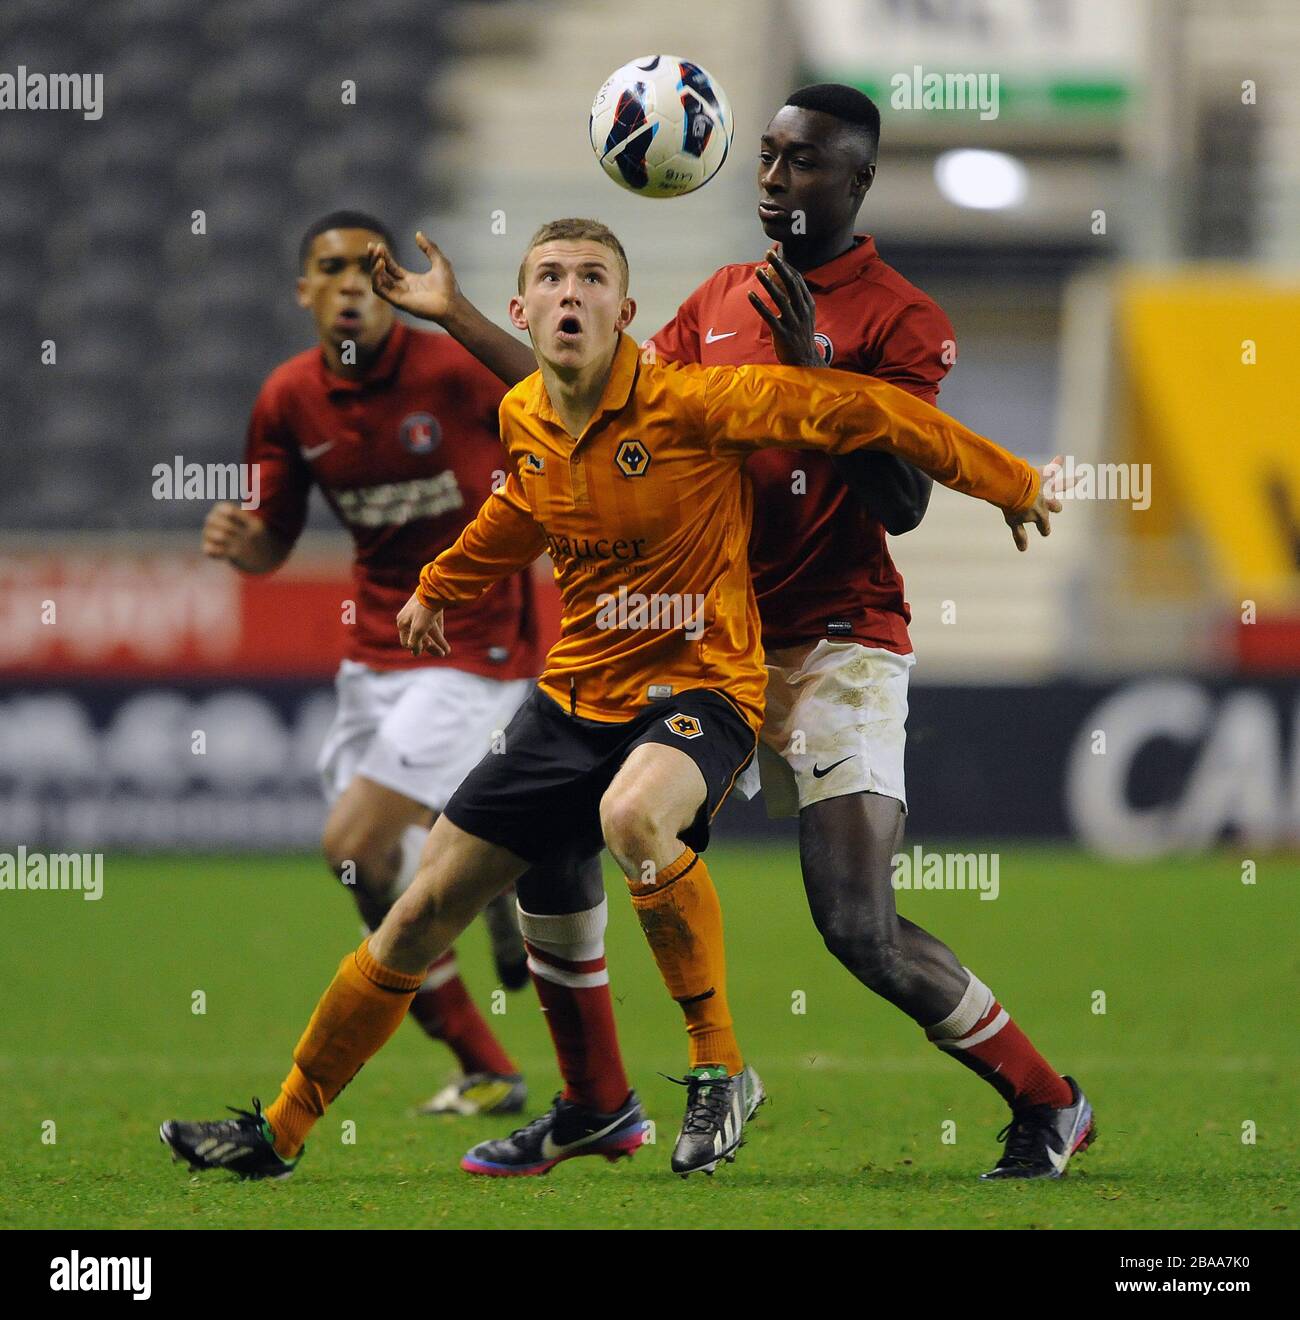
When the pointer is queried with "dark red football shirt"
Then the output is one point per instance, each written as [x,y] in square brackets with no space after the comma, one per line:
[820,564]
[404,457]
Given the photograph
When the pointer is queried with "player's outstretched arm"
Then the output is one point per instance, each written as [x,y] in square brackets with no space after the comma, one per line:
[242,539]
[436,296]
[746,408]
[504,538]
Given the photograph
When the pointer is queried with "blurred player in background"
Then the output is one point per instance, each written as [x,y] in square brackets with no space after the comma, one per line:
[637,729]
[833,612]
[398,428]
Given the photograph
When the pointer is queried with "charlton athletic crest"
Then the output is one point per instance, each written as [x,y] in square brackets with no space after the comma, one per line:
[827,348]
[420,433]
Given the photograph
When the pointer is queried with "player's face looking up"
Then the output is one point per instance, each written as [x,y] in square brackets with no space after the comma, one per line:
[810,162]
[574,303]
[335,288]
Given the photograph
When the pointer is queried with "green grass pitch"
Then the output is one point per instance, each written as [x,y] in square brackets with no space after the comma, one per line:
[1197,1042]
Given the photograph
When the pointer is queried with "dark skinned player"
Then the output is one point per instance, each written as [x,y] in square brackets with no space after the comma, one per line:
[832,607]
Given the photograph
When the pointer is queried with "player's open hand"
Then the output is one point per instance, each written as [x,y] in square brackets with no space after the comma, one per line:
[420,629]
[1050,490]
[793,324]
[229,532]
[429,296]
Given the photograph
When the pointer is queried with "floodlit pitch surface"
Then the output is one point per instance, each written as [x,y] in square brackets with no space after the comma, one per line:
[1191,1067]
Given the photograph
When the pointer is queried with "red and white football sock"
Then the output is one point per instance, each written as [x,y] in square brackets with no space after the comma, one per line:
[979,1032]
[443,1007]
[566,956]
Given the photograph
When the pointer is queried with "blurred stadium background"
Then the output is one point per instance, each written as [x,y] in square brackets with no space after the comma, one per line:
[1123,281]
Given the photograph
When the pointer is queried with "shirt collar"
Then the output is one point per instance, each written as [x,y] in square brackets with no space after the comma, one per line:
[382,369]
[614,397]
[845,267]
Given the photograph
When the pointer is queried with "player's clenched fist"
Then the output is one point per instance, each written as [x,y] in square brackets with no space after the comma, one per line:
[230,532]
[420,629]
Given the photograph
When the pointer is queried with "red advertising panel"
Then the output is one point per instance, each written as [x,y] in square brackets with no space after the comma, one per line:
[148,614]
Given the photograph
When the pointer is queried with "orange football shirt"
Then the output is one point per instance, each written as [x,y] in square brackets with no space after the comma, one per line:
[646,515]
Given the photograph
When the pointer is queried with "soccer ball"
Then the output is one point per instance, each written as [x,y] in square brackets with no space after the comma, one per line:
[661,126]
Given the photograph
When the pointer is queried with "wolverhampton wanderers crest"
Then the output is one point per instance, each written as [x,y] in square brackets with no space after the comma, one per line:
[632,458]
[684,726]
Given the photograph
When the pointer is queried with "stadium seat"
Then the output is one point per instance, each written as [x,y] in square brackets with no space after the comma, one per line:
[43,139]
[152,75]
[387,77]
[114,223]
[144,151]
[268,79]
[238,24]
[128,21]
[104,291]
[414,24]
[248,151]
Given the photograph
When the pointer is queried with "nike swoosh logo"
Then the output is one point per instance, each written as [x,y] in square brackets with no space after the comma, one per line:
[551,1148]
[317,450]
[711,338]
[1058,1161]
[819,773]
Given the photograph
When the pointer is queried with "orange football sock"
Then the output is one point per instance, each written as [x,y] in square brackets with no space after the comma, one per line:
[682,919]
[364,1005]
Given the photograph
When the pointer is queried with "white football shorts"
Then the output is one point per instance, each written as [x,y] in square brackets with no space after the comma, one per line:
[834,724]
[416,731]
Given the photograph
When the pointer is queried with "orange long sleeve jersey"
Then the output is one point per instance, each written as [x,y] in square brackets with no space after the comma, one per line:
[646,516]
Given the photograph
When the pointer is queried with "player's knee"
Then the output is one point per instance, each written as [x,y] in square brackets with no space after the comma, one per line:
[628,827]
[337,843]
[356,853]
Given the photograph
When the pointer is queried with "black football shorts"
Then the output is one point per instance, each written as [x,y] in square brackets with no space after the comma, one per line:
[540,795]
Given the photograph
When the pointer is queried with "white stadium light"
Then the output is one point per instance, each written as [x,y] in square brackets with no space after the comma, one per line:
[982,180]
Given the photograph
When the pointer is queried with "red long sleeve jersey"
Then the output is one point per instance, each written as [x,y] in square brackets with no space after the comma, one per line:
[404,457]
[820,562]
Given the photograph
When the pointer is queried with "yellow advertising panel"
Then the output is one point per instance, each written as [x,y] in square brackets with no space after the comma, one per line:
[1213,371]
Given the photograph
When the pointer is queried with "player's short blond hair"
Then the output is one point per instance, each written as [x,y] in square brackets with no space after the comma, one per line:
[577,228]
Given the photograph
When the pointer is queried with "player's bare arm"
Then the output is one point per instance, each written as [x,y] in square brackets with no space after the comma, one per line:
[420,629]
[435,296]
[242,539]
[894,492]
